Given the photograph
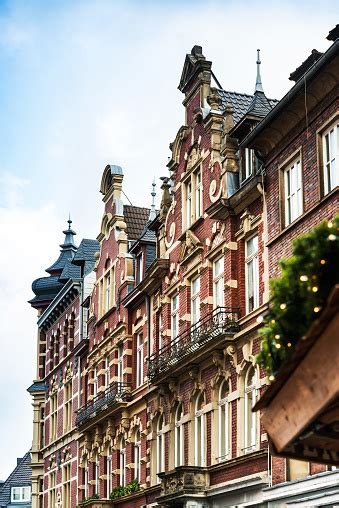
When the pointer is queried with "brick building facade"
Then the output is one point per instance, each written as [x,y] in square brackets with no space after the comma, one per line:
[161,356]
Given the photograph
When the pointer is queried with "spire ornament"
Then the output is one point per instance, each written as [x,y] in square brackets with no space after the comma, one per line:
[258,84]
[152,213]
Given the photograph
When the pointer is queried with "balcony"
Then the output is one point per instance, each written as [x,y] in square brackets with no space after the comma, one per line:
[218,323]
[115,393]
[182,482]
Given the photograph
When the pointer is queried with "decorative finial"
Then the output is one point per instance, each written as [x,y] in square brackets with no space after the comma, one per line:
[69,220]
[152,214]
[258,84]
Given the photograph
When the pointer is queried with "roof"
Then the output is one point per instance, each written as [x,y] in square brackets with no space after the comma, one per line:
[333,34]
[45,289]
[136,218]
[310,60]
[242,102]
[86,250]
[37,386]
[70,271]
[21,475]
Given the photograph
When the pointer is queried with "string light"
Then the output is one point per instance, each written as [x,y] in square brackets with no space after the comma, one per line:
[277,336]
[303,278]
[260,319]
[271,378]
[322,261]
[331,237]
[278,346]
[289,344]
[316,309]
[330,224]
[315,289]
[283,306]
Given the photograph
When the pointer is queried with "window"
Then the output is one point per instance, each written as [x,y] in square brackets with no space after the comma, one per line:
[140,361]
[160,446]
[107,292]
[52,489]
[86,478]
[223,421]
[252,274]
[68,406]
[109,472]
[249,163]
[96,473]
[174,317]
[199,432]
[66,486]
[139,268]
[95,382]
[160,324]
[120,363]
[250,417]
[189,204]
[122,463]
[218,283]
[179,436]
[107,372]
[195,300]
[137,456]
[42,427]
[54,416]
[330,140]
[193,198]
[198,195]
[20,494]
[292,192]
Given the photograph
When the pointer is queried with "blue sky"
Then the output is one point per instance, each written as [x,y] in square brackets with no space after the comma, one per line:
[87,83]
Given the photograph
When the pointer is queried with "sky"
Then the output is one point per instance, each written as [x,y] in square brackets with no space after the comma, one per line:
[90,83]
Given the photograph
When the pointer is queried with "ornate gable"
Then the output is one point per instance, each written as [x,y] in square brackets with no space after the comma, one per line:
[190,247]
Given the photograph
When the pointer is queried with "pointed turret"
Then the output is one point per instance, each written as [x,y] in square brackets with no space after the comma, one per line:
[46,288]
[260,105]
[258,83]
[152,213]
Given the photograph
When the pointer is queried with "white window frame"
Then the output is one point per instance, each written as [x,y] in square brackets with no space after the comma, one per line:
[140,360]
[330,152]
[22,493]
[95,381]
[107,372]
[199,433]
[198,194]
[52,488]
[139,267]
[293,192]
[53,416]
[195,300]
[250,438]
[66,485]
[174,317]
[249,162]
[189,207]
[160,446]
[137,456]
[97,473]
[109,471]
[160,325]
[218,283]
[224,423]
[252,269]
[179,436]
[86,477]
[122,463]
[68,396]
[120,363]
[108,286]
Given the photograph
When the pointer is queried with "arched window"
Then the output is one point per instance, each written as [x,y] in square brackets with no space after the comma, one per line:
[250,417]
[199,432]
[224,418]
[160,445]
[122,463]
[137,449]
[179,436]
[96,473]
[109,471]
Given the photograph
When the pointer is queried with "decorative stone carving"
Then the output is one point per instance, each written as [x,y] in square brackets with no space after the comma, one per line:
[194,157]
[184,480]
[189,246]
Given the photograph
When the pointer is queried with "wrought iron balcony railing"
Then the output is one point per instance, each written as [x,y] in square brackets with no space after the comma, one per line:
[221,321]
[116,392]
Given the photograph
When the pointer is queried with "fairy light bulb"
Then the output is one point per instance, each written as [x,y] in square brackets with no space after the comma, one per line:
[283,306]
[303,278]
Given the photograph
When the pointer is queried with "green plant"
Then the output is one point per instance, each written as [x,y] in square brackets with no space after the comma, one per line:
[87,499]
[299,295]
[120,491]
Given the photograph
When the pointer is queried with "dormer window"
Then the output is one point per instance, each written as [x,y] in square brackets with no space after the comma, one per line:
[139,268]
[249,163]
[21,494]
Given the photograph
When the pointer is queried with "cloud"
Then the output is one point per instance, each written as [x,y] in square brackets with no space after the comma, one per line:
[89,83]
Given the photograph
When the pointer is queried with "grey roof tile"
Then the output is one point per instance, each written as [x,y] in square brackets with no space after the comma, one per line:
[240,103]
[20,476]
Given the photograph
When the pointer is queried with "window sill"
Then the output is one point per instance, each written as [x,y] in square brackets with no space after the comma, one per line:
[308,212]
[192,227]
[105,316]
